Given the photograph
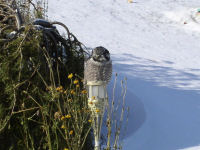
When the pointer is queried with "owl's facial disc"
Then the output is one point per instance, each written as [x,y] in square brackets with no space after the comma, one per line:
[100,54]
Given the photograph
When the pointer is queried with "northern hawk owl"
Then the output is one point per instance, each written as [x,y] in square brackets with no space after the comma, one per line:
[99,66]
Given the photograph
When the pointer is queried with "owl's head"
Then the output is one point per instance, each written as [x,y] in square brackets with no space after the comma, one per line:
[100,54]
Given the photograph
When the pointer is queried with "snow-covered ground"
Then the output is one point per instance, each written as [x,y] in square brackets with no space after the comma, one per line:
[156,45]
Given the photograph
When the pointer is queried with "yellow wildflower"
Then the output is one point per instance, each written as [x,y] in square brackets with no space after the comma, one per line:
[71,132]
[77,86]
[66,149]
[60,88]
[68,116]
[72,92]
[75,81]
[84,92]
[62,118]
[62,126]
[65,92]
[97,110]
[70,100]
[70,76]
[89,121]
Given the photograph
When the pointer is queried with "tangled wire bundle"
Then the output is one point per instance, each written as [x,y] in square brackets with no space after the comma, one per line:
[12,24]
[34,58]
[60,49]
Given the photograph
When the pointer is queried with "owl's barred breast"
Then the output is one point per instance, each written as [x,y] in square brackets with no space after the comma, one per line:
[97,71]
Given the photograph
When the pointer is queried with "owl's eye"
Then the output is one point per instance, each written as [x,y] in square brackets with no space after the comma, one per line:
[106,51]
[107,56]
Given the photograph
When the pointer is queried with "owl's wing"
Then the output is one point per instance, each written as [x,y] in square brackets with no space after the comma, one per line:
[108,71]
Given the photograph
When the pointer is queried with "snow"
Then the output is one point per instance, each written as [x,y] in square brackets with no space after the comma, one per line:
[192,148]
[156,45]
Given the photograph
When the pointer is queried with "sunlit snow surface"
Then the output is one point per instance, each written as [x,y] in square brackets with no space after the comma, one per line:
[156,44]
[192,148]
